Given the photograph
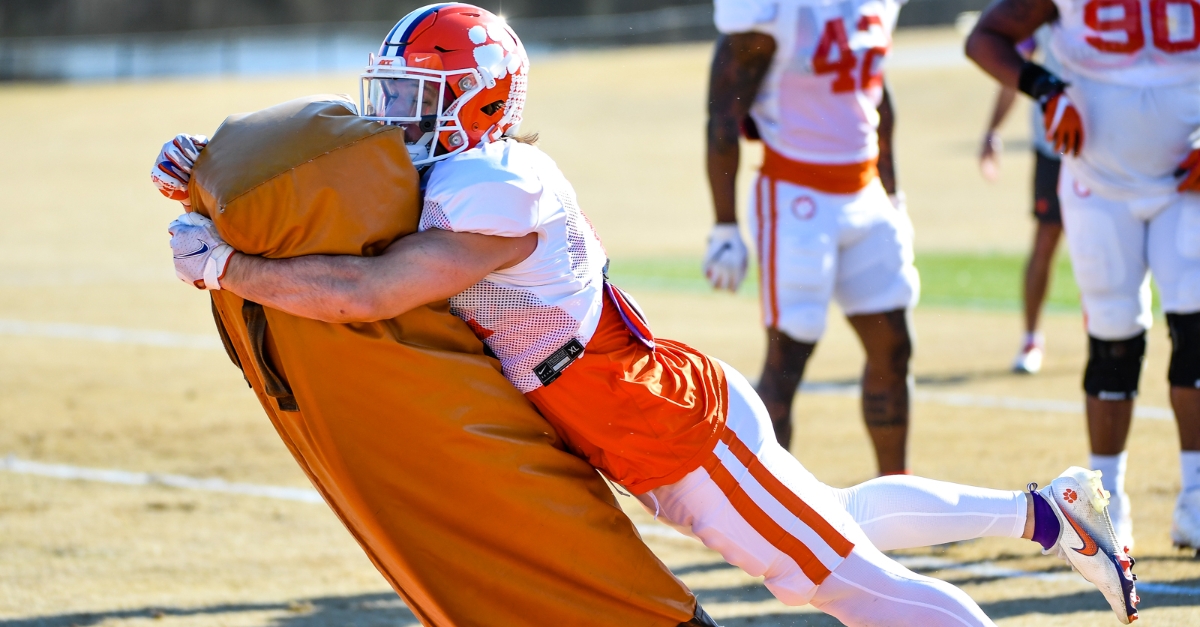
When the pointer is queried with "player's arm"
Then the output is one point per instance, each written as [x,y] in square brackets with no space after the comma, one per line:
[989,152]
[740,62]
[993,42]
[887,160]
[415,270]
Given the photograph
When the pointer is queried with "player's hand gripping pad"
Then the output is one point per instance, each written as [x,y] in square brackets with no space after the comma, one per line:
[460,493]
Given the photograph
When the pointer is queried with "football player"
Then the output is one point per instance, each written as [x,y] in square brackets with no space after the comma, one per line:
[1045,204]
[1124,112]
[502,236]
[827,217]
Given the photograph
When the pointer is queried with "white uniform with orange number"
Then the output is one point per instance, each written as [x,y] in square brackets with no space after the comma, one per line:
[823,225]
[683,431]
[1134,73]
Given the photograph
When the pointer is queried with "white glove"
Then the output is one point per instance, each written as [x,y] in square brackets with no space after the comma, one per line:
[173,168]
[200,253]
[725,261]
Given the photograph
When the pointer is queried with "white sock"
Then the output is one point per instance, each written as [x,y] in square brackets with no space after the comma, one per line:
[1112,469]
[1189,464]
[1035,338]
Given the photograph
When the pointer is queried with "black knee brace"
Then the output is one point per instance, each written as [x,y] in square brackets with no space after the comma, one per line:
[1185,350]
[1114,368]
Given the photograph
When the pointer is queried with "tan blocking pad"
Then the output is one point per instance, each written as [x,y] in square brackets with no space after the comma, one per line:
[457,489]
[305,177]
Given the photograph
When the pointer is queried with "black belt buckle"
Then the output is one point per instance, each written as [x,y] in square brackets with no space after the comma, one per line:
[553,366]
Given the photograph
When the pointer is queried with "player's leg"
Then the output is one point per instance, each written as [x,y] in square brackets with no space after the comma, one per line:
[794,236]
[904,512]
[871,589]
[1041,259]
[1108,251]
[876,286]
[764,512]
[887,341]
[781,375]
[1174,253]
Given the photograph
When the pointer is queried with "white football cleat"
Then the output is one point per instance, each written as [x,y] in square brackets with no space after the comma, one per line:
[1029,360]
[1086,539]
[1185,523]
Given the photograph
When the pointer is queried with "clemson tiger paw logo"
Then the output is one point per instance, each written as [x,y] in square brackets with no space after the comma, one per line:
[1070,496]
[500,57]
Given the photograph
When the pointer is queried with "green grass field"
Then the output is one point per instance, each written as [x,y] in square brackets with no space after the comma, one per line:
[948,279]
[982,281]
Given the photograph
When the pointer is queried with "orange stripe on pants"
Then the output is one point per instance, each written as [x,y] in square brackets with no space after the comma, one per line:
[762,522]
[764,204]
[785,496]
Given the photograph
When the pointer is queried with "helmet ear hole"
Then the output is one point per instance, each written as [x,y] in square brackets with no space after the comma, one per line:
[491,109]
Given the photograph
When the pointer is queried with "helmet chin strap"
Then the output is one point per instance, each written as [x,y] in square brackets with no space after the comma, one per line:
[423,147]
[420,149]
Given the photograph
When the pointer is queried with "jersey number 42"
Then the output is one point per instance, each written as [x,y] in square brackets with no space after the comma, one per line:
[1125,16]
[834,56]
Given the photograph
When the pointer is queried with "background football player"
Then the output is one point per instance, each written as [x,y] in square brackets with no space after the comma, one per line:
[1047,164]
[807,78]
[1125,112]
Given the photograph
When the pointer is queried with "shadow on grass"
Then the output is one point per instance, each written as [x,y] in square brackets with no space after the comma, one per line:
[363,610]
[938,380]
[385,609]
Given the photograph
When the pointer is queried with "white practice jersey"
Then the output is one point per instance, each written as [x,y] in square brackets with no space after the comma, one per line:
[1134,72]
[1137,43]
[819,101]
[528,312]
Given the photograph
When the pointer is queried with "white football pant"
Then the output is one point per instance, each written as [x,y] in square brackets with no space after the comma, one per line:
[756,505]
[814,246]
[1112,248]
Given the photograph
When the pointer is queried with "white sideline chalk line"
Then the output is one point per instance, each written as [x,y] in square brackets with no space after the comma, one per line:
[959,399]
[108,335]
[654,530]
[169,339]
[124,477]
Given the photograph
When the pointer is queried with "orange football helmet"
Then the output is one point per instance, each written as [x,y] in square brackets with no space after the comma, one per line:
[453,75]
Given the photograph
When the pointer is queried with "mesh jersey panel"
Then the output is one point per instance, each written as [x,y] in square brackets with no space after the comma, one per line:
[518,327]
[527,312]
[432,217]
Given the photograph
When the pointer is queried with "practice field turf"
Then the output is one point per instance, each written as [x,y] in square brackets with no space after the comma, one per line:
[951,279]
[108,362]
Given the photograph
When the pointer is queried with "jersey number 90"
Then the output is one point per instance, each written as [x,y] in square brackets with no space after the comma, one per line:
[1125,16]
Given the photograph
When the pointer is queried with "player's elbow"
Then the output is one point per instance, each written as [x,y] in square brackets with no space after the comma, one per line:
[971,45]
[354,297]
[981,43]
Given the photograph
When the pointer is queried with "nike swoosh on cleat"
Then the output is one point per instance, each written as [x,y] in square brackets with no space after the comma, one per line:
[1089,547]
[200,251]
